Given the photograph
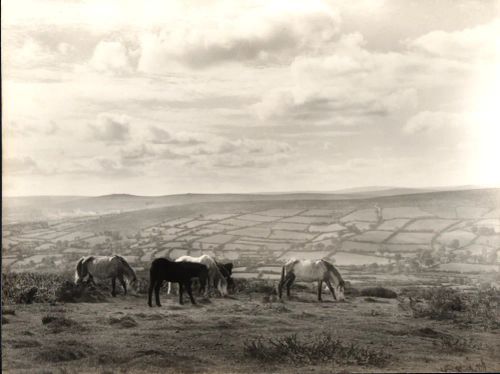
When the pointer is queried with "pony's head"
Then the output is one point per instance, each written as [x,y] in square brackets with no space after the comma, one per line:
[80,271]
[339,291]
[133,285]
[222,286]
[226,271]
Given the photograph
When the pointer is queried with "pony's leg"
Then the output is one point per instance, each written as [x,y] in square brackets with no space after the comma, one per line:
[289,283]
[190,293]
[122,282]
[181,290]
[150,292]
[157,292]
[320,286]
[331,289]
[113,285]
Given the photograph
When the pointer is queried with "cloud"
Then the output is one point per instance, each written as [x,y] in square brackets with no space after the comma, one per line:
[428,121]
[261,33]
[161,136]
[21,165]
[480,42]
[112,57]
[110,128]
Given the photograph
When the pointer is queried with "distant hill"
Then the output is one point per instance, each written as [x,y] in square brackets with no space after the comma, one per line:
[32,208]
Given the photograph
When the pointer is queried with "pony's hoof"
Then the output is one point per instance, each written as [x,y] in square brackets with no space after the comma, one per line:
[158,304]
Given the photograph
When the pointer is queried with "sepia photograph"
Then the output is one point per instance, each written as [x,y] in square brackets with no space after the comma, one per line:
[250,186]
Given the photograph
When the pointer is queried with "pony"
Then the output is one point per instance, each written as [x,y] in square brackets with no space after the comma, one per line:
[227,272]
[180,272]
[312,271]
[106,267]
[215,277]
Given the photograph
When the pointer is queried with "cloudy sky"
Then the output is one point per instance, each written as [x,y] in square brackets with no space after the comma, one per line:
[160,97]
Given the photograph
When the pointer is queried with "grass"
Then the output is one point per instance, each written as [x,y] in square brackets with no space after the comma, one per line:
[322,348]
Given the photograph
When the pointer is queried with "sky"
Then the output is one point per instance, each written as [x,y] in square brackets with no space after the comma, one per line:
[156,97]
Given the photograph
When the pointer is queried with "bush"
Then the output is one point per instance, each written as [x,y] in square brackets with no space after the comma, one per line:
[323,348]
[379,292]
[255,286]
[69,292]
[478,308]
[440,303]
[21,288]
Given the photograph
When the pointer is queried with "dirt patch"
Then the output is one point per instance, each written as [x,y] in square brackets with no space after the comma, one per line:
[16,344]
[124,322]
[68,350]
[57,324]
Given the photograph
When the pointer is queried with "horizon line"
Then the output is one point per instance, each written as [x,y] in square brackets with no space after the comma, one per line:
[339,191]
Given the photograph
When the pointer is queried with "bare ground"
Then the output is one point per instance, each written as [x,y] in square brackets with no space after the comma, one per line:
[125,335]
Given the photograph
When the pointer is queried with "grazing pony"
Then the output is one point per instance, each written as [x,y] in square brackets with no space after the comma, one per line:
[215,277]
[106,267]
[180,272]
[312,271]
[226,271]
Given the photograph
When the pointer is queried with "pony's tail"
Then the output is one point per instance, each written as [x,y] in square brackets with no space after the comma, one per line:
[78,270]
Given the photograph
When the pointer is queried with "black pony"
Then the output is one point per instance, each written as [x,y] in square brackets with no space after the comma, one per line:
[178,272]
[227,271]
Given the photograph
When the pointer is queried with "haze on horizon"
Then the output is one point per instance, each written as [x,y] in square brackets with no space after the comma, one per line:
[156,98]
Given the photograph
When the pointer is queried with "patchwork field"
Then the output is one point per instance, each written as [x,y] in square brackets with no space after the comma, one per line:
[389,230]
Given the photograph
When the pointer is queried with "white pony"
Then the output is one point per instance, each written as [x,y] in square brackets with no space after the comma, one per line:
[215,277]
[106,267]
[312,271]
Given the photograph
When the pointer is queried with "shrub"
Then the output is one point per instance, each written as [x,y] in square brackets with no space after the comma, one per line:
[478,308]
[440,303]
[18,288]
[255,286]
[379,292]
[71,293]
[323,348]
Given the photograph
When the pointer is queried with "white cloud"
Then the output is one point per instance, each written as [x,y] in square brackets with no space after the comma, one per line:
[428,121]
[266,32]
[480,42]
[110,127]
[111,56]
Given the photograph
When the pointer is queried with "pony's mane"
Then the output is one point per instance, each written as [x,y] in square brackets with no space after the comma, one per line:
[335,272]
[128,267]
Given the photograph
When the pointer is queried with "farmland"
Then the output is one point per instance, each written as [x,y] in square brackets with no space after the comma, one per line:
[407,243]
[400,232]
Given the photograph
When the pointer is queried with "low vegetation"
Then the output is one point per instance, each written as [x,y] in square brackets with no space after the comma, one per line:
[480,307]
[320,349]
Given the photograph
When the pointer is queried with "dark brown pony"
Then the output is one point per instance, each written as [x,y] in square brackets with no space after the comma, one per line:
[177,272]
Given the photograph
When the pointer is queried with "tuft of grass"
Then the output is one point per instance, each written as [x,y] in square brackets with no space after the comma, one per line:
[451,344]
[321,349]
[475,367]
